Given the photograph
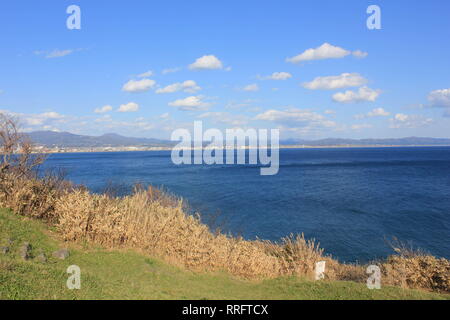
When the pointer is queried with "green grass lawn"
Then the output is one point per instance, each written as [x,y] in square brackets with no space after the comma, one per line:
[121,274]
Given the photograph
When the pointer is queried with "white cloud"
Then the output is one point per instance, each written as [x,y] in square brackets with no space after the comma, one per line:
[137,125]
[251,87]
[207,62]
[139,85]
[401,117]
[377,112]
[359,54]
[329,111]
[144,125]
[52,115]
[99,124]
[104,118]
[361,126]
[401,120]
[189,86]
[147,74]
[59,53]
[56,53]
[254,109]
[170,70]
[226,118]
[293,117]
[38,121]
[440,98]
[50,128]
[325,51]
[237,105]
[247,104]
[277,76]
[103,109]
[129,107]
[297,115]
[363,94]
[192,103]
[34,121]
[336,82]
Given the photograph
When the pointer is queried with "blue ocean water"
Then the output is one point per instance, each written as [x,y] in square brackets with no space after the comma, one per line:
[350,200]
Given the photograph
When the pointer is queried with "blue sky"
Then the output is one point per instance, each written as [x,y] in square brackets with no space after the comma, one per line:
[311,68]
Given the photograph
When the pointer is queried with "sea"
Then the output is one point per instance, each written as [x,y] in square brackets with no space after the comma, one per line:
[353,201]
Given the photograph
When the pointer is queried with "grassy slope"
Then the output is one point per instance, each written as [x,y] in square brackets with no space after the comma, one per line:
[130,275]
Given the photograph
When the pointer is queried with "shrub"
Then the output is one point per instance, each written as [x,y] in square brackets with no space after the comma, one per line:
[421,271]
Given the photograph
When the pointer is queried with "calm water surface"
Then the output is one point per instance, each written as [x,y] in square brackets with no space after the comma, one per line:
[351,200]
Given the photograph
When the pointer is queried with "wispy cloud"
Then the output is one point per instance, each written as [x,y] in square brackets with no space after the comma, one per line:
[293,117]
[170,70]
[56,53]
[440,99]
[225,118]
[377,112]
[336,82]
[251,87]
[359,54]
[361,126]
[146,74]
[104,109]
[276,76]
[401,120]
[189,86]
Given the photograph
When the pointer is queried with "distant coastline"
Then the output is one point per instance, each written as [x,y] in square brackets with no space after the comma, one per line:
[65,142]
[56,150]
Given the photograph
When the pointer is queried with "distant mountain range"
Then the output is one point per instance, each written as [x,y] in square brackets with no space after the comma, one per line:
[70,140]
[410,141]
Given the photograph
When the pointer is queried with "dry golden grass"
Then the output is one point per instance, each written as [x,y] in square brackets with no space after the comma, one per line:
[160,227]
[155,223]
[296,255]
[421,271]
[29,196]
